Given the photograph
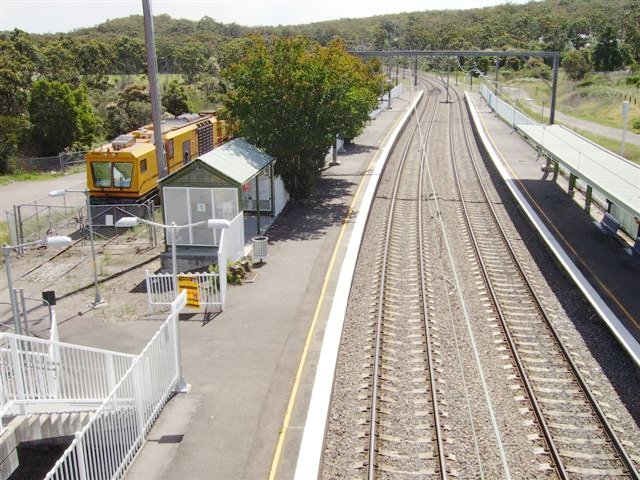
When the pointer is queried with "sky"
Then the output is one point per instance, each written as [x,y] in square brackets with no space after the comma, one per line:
[53,16]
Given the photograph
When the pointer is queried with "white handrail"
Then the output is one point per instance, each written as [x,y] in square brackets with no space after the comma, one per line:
[105,447]
[37,375]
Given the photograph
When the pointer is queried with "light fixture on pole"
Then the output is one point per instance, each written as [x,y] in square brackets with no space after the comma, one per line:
[98,301]
[57,241]
[129,222]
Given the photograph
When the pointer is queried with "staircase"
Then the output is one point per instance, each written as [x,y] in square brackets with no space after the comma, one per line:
[23,429]
[107,401]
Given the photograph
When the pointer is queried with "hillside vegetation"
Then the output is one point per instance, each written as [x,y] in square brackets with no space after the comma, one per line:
[92,80]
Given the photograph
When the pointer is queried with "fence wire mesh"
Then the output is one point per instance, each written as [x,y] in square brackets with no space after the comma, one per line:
[185,205]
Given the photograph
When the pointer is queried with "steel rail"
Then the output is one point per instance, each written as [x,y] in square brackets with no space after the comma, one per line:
[624,457]
[380,314]
[548,438]
[425,316]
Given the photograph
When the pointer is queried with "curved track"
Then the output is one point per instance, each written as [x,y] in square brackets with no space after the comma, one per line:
[405,436]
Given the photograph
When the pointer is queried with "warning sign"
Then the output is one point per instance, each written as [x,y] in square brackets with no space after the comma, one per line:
[190,284]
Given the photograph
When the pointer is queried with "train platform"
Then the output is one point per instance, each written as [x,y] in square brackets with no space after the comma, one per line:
[603,259]
[251,368]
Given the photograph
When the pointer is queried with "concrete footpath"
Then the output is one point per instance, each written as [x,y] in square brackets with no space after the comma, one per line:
[604,260]
[243,363]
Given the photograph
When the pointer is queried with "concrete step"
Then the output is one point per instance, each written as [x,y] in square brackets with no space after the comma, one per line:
[33,428]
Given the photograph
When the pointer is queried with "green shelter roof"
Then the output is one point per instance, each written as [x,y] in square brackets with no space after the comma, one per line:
[238,160]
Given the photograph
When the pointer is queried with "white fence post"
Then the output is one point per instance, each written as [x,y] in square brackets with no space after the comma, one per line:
[82,469]
[111,374]
[222,268]
[176,308]
[138,389]
[18,374]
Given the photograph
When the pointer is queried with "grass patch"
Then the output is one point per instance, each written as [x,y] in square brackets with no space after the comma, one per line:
[631,152]
[4,233]
[597,98]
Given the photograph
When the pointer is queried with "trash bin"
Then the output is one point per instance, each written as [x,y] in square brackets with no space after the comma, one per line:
[259,247]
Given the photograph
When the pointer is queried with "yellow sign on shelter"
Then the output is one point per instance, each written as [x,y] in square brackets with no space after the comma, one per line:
[190,284]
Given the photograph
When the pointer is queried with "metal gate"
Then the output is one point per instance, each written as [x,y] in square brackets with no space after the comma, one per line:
[203,289]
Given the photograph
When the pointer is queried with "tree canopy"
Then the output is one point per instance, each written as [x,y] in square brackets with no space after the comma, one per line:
[108,58]
[61,116]
[291,97]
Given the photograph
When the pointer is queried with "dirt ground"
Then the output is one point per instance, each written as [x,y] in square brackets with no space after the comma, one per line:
[69,273]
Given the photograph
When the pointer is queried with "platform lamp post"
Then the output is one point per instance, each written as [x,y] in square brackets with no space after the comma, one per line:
[129,222]
[98,301]
[58,241]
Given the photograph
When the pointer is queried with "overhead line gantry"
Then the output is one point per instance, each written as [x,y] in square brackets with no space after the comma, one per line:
[474,53]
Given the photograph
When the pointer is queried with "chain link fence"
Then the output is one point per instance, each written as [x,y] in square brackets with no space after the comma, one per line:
[60,162]
[31,222]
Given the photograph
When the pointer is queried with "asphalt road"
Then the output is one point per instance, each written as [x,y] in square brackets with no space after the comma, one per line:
[573,122]
[18,193]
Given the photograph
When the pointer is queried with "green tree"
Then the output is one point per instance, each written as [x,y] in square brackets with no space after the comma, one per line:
[95,62]
[191,60]
[129,55]
[289,96]
[174,99]
[607,55]
[353,91]
[61,116]
[131,110]
[60,61]
[12,132]
[19,62]
[232,51]
[576,63]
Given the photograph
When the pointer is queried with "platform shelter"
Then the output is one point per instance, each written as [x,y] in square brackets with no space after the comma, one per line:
[228,183]
[605,176]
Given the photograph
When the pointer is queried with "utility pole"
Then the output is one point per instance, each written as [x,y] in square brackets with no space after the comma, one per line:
[497,70]
[152,70]
[625,115]
[554,88]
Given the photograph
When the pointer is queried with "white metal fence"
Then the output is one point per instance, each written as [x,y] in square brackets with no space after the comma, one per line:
[280,195]
[395,92]
[38,375]
[160,288]
[211,288]
[232,240]
[507,111]
[105,447]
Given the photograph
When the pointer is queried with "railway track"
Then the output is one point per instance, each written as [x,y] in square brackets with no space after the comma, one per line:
[453,365]
[575,430]
[405,436]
